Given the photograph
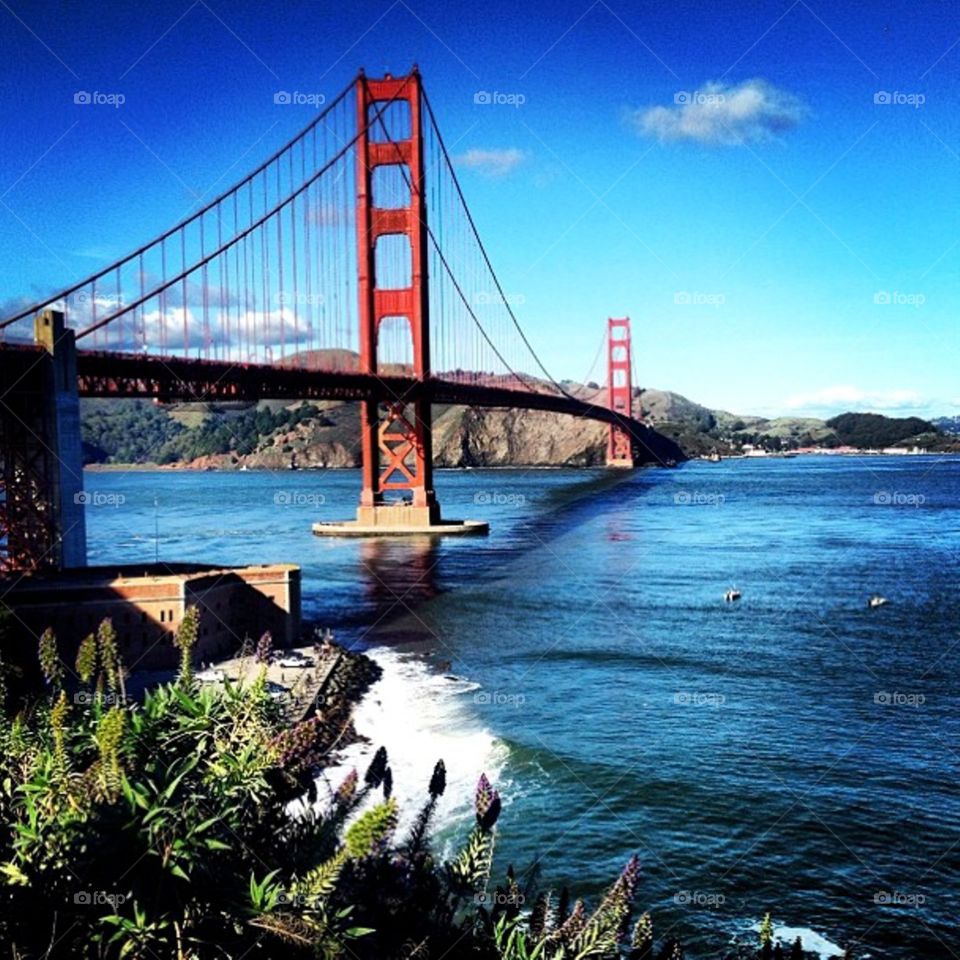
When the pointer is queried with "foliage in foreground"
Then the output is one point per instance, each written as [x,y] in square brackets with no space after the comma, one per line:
[186,827]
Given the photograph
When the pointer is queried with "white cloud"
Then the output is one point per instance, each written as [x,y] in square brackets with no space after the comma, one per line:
[844,398]
[725,115]
[491,163]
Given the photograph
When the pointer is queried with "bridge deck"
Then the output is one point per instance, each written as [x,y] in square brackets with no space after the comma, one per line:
[171,379]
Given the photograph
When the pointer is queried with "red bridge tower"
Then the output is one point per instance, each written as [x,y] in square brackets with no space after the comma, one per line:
[395,430]
[397,495]
[620,444]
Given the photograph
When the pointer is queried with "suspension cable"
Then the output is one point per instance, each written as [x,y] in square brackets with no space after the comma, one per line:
[593,365]
[183,223]
[443,259]
[185,272]
[483,250]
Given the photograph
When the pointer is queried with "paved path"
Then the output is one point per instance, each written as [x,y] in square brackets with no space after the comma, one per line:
[304,683]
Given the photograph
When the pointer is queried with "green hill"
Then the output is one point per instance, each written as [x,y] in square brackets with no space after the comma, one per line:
[273,433]
[873,431]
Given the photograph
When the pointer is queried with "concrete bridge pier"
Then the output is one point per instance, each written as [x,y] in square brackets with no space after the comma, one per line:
[42,523]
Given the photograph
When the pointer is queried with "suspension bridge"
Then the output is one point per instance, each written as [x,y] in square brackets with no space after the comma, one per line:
[347,266]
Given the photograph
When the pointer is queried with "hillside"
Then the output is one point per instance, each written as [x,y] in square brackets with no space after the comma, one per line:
[874,431]
[273,434]
[949,425]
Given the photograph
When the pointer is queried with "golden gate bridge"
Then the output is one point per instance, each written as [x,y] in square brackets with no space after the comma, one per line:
[346,266]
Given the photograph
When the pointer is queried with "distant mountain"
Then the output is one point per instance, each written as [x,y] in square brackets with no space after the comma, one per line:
[949,425]
[873,431]
[702,430]
[663,406]
[274,433]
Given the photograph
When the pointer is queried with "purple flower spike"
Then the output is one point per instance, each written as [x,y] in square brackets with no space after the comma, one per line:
[630,876]
[348,788]
[487,803]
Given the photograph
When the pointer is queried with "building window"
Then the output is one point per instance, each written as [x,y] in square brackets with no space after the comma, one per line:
[163,616]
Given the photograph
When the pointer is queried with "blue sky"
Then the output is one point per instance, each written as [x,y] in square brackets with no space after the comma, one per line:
[724,174]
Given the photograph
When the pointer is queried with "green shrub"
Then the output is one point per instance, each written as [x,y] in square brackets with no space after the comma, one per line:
[168,829]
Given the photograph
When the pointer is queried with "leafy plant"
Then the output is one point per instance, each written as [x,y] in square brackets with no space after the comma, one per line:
[188,825]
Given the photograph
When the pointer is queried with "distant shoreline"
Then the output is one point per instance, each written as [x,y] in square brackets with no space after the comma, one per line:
[180,468]
[789,455]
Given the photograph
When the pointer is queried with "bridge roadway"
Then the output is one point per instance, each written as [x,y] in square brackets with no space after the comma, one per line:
[171,379]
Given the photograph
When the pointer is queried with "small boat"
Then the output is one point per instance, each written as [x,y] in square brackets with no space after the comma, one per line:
[877,601]
[732,594]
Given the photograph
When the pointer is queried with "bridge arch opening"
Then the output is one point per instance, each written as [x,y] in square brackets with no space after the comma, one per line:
[390,186]
[619,354]
[393,262]
[395,347]
[392,124]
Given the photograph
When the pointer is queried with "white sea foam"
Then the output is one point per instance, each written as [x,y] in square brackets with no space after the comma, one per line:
[421,716]
[812,941]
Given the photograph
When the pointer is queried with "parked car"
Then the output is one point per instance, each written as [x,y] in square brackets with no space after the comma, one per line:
[211,675]
[295,659]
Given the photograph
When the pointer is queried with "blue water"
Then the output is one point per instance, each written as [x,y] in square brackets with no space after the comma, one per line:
[794,752]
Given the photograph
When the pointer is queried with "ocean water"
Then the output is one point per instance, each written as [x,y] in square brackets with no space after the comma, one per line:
[794,752]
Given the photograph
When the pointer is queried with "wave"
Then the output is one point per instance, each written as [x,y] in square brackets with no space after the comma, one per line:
[422,716]
[812,941]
